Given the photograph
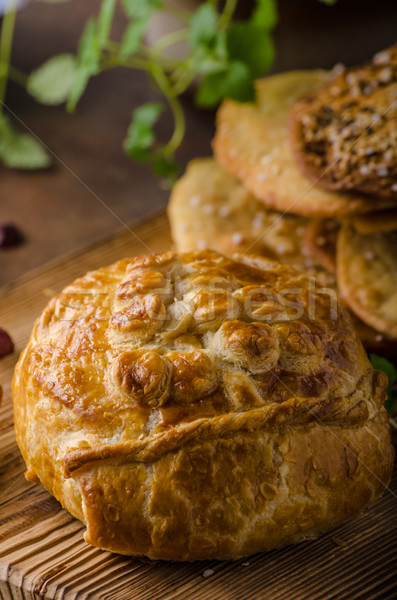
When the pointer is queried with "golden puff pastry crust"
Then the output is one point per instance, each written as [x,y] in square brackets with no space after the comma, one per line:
[189,406]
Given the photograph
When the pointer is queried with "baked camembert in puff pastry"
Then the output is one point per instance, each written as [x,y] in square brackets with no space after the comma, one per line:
[190,406]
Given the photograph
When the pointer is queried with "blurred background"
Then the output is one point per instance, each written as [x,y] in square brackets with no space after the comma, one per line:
[92,187]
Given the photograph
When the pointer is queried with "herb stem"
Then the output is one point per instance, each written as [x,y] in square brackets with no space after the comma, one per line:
[133,63]
[228,12]
[179,117]
[174,37]
[7,32]
[17,76]
[179,13]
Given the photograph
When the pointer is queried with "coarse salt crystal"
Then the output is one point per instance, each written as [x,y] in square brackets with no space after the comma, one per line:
[350,79]
[369,255]
[194,201]
[382,171]
[385,75]
[208,209]
[388,155]
[201,245]
[381,58]
[281,249]
[338,69]
[365,170]
[208,572]
[261,177]
[275,169]
[237,238]
[257,221]
[224,211]
[394,187]
[379,337]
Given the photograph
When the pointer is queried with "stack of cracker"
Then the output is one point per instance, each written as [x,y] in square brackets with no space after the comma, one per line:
[307,175]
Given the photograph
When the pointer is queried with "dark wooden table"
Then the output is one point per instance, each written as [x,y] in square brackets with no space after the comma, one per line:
[93,188]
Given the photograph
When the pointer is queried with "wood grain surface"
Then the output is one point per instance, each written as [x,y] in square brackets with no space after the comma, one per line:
[42,551]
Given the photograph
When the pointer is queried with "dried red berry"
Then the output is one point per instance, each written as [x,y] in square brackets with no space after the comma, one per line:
[9,235]
[6,344]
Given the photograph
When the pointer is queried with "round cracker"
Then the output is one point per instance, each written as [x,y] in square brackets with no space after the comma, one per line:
[251,142]
[376,222]
[209,208]
[320,242]
[367,277]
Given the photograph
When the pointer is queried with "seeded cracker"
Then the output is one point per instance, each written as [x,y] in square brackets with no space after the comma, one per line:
[346,132]
[251,142]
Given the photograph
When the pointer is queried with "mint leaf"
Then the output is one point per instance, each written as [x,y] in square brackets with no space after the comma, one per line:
[141,8]
[203,26]
[165,167]
[210,59]
[382,364]
[391,403]
[265,14]
[132,36]
[252,45]
[53,81]
[21,150]
[87,63]
[105,19]
[140,12]
[234,82]
[140,134]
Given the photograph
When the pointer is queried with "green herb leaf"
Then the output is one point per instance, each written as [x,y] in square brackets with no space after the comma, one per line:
[140,12]
[132,36]
[234,82]
[252,45]
[265,14]
[165,167]
[21,150]
[203,26]
[105,19]
[382,364]
[141,8]
[140,134]
[53,1]
[53,81]
[87,62]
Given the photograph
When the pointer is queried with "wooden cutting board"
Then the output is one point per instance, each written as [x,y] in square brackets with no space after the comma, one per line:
[42,551]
